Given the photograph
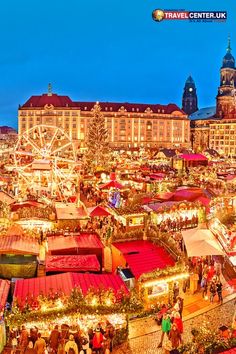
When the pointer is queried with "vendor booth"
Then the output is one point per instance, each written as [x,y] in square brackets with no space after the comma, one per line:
[153,268]
[74,300]
[18,256]
[78,244]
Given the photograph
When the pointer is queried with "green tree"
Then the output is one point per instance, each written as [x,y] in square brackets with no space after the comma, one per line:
[97,143]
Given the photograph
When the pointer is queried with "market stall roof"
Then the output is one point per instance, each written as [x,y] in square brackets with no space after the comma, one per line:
[61,242]
[4,290]
[4,197]
[27,204]
[89,240]
[83,240]
[158,206]
[187,194]
[65,283]
[98,211]
[18,244]
[144,256]
[70,211]
[111,184]
[201,242]
[193,157]
[70,263]
[165,196]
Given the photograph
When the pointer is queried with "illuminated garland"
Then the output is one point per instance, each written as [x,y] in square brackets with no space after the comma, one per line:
[168,271]
[96,301]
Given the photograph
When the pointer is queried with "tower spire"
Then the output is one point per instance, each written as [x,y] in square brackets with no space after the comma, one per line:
[228,47]
[49,89]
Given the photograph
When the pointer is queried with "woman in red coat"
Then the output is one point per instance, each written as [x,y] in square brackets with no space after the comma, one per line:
[97,341]
[178,321]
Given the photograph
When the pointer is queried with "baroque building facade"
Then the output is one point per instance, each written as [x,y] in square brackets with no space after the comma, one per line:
[129,125]
[215,127]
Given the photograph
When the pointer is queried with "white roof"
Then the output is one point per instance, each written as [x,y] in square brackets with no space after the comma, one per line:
[201,242]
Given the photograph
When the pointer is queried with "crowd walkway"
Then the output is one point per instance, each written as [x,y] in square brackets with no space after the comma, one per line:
[194,305]
[145,333]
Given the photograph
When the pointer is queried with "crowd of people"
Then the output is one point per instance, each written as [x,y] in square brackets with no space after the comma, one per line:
[64,340]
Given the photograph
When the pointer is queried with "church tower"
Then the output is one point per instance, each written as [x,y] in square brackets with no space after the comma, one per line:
[226,91]
[189,100]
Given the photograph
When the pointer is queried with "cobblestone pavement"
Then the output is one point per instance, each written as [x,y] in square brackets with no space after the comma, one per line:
[148,344]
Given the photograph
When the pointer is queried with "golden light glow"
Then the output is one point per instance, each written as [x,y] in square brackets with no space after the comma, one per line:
[165,280]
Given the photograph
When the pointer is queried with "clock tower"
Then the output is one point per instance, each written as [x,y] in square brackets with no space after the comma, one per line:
[226,91]
[189,100]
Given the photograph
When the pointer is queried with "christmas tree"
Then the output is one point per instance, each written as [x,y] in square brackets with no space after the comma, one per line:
[97,143]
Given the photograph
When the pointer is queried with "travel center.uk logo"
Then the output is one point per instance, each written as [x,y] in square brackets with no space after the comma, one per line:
[192,16]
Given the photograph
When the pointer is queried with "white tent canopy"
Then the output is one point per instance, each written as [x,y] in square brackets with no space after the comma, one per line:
[201,242]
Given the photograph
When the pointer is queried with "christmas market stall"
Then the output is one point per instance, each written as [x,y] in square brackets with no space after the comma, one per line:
[131,217]
[76,300]
[82,244]
[154,270]
[4,290]
[18,254]
[185,161]
[69,215]
[31,214]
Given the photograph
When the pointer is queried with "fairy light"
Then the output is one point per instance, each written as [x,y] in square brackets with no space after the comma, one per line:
[165,280]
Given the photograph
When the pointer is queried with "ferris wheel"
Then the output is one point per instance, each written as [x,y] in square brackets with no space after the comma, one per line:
[45,161]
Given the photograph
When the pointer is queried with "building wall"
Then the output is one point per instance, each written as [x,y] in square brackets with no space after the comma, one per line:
[222,137]
[128,129]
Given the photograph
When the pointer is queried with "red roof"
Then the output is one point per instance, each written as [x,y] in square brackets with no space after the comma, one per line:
[65,101]
[45,99]
[27,204]
[4,290]
[98,211]
[18,244]
[83,240]
[193,157]
[65,283]
[144,257]
[111,184]
[187,194]
[68,263]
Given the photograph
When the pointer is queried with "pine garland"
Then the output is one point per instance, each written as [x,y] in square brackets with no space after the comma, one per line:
[121,302]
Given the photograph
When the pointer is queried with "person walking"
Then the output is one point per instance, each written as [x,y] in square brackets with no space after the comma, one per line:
[212,291]
[179,322]
[165,327]
[24,339]
[175,336]
[40,345]
[71,347]
[54,339]
[219,291]
[30,348]
[98,341]
[205,287]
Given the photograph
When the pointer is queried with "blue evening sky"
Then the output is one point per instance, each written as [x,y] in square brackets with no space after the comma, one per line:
[108,50]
